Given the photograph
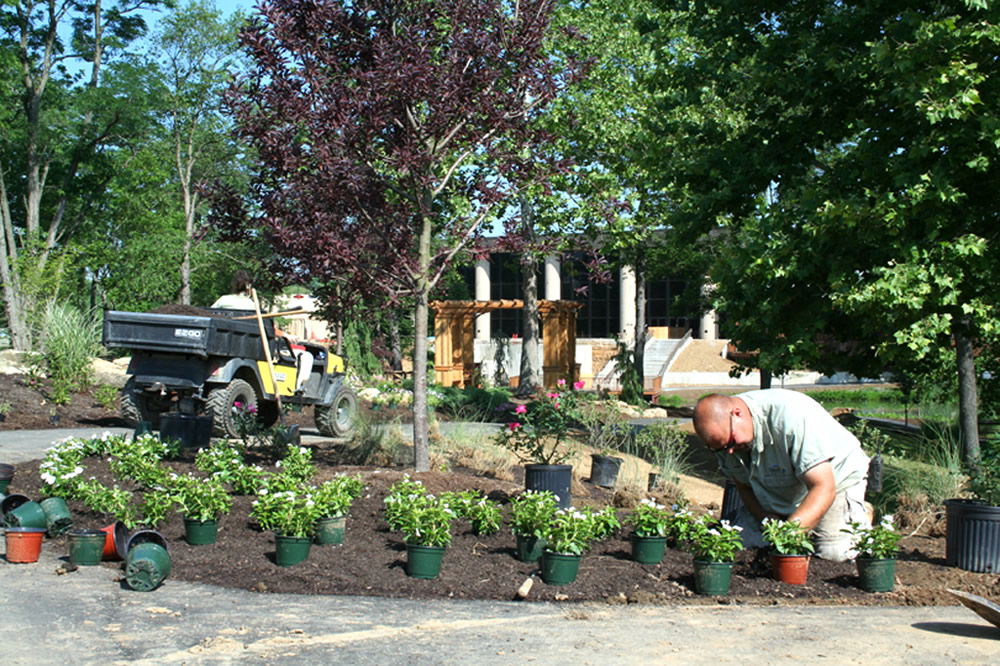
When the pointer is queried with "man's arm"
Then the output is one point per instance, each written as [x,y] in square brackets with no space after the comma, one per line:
[822,491]
[751,503]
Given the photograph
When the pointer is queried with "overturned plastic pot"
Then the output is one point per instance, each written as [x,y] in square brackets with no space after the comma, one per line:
[58,519]
[6,476]
[115,541]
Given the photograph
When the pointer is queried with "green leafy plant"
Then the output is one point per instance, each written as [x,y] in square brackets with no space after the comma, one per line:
[683,525]
[116,502]
[718,542]
[107,397]
[531,512]
[537,432]
[5,407]
[649,519]
[570,532]
[200,498]
[336,496]
[427,523]
[155,505]
[287,512]
[401,494]
[604,523]
[879,542]
[486,516]
[296,469]
[787,537]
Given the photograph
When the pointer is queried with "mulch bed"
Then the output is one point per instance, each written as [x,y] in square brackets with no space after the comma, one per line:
[372,560]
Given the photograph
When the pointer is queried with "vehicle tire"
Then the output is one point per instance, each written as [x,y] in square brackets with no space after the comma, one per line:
[221,404]
[135,407]
[337,419]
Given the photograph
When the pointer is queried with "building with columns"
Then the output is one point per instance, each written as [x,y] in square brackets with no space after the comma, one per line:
[608,309]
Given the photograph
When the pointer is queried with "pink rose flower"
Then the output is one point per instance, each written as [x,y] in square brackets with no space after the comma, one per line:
[578,386]
[561,382]
[514,426]
[520,409]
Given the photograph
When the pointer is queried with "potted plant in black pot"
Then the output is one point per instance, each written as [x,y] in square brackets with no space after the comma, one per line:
[536,435]
[973,525]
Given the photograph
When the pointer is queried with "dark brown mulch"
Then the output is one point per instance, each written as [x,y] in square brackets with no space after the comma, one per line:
[372,560]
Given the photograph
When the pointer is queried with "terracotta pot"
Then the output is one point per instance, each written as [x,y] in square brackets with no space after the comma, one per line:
[792,569]
[115,541]
[24,544]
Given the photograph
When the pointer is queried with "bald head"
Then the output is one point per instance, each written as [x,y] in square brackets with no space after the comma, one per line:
[711,418]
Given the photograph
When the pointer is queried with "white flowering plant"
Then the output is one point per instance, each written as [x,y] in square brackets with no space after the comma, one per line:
[401,495]
[335,496]
[427,523]
[570,532]
[649,519]
[291,512]
[717,542]
[879,542]
[294,469]
[61,471]
[531,512]
[787,537]
[683,525]
[200,498]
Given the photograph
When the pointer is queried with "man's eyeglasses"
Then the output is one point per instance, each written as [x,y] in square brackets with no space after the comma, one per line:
[731,442]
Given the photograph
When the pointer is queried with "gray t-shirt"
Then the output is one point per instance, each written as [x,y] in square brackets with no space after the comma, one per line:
[792,434]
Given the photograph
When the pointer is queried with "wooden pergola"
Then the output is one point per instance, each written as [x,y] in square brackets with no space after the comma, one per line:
[455,328]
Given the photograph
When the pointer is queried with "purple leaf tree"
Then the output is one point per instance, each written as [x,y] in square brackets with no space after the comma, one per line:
[387,133]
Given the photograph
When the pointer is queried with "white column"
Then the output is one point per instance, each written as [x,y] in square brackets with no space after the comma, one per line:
[553,278]
[626,304]
[709,325]
[483,294]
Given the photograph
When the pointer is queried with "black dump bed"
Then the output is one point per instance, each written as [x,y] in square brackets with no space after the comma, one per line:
[185,334]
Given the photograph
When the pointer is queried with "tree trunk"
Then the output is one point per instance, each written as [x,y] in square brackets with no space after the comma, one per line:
[641,329]
[421,435]
[531,375]
[968,407]
[531,379]
[765,378]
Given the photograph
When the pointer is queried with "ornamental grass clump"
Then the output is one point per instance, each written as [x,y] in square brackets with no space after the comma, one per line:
[537,430]
[531,512]
[879,542]
[787,537]
[649,519]
[719,541]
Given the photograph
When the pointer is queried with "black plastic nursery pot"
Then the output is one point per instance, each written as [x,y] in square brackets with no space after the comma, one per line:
[191,431]
[554,478]
[972,538]
[604,470]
